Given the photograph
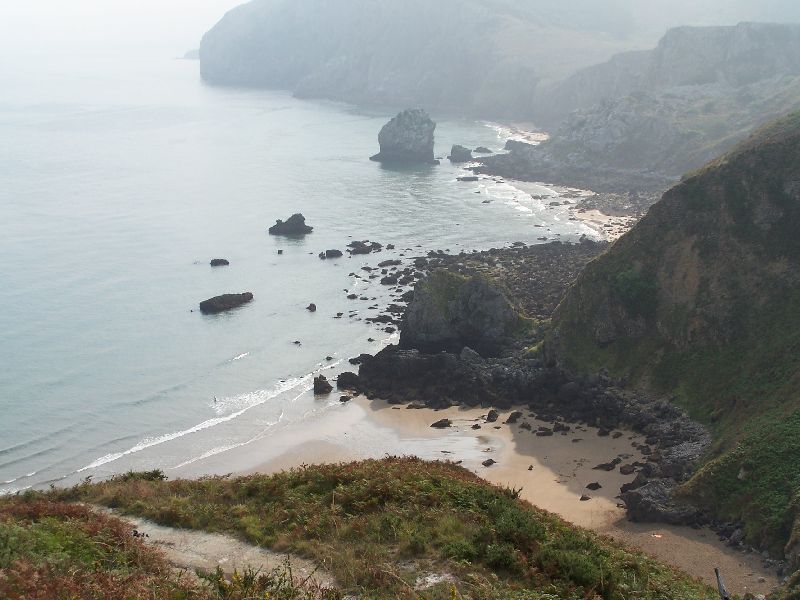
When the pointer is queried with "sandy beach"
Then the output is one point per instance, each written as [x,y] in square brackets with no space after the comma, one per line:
[553,473]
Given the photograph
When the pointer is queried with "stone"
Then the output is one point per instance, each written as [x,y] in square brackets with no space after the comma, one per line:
[347,381]
[489,462]
[513,417]
[311,307]
[492,416]
[460,154]
[333,254]
[344,399]
[442,424]
[594,486]
[219,262]
[627,470]
[322,385]
[294,225]
[468,178]
[482,150]
[653,503]
[605,467]
[225,302]
[585,498]
[407,139]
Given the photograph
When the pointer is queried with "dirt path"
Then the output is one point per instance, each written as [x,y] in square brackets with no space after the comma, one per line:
[190,549]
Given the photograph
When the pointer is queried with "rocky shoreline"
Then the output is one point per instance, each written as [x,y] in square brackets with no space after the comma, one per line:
[521,376]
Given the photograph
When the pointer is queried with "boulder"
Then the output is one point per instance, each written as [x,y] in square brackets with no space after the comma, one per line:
[492,416]
[407,139]
[347,381]
[322,385]
[333,254]
[225,302]
[365,247]
[460,154]
[294,225]
[489,462]
[219,262]
[513,417]
[654,503]
[482,150]
[311,307]
[442,424]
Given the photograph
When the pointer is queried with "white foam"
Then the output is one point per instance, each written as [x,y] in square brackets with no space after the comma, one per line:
[258,398]
[240,357]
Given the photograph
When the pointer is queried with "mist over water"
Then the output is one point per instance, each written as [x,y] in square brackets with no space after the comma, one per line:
[121,179]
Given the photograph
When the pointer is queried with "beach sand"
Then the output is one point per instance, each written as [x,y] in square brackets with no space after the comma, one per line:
[561,469]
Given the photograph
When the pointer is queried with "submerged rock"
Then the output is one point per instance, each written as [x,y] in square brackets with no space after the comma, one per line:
[294,225]
[407,139]
[225,302]
[460,154]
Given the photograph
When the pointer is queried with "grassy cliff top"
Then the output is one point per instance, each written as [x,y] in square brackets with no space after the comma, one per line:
[378,526]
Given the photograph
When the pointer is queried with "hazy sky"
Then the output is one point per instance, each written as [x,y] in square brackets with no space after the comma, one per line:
[106,26]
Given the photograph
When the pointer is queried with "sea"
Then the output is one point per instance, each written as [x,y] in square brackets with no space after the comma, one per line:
[121,178]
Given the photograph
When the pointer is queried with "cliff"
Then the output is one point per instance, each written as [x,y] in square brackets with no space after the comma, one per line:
[473,57]
[642,119]
[701,301]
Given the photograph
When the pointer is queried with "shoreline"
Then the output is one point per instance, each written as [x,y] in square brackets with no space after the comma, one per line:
[561,469]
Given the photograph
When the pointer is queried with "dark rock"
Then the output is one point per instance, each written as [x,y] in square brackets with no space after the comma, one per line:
[476,426]
[489,462]
[605,467]
[344,399]
[294,225]
[594,486]
[585,498]
[603,432]
[482,150]
[544,432]
[469,178]
[627,470]
[363,247]
[442,424]
[219,262]
[460,154]
[407,139]
[347,381]
[389,263]
[654,503]
[492,416]
[322,385]
[311,307]
[333,254]
[513,417]
[225,302]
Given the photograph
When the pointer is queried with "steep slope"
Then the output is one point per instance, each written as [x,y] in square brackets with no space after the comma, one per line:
[480,57]
[701,300]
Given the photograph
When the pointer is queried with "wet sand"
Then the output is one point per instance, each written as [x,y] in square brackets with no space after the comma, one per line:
[561,470]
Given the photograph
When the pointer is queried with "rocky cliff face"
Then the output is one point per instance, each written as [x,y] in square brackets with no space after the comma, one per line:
[407,139]
[466,56]
[701,300]
[643,119]
[450,312]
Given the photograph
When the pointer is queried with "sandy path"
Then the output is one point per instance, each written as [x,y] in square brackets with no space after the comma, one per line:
[191,550]
[562,468]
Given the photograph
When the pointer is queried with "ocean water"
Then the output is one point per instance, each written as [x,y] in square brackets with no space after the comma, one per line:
[119,180]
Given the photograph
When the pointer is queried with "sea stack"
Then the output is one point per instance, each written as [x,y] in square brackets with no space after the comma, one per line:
[294,225]
[407,139]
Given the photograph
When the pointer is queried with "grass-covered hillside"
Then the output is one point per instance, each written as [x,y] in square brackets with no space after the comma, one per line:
[701,300]
[381,527]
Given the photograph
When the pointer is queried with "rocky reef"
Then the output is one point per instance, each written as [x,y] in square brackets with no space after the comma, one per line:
[224,303]
[407,139]
[460,154]
[294,225]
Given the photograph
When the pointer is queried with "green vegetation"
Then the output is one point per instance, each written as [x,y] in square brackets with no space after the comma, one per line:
[51,550]
[378,526]
[715,327]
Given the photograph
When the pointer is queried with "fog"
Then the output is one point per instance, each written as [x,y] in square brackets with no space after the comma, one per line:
[158,26]
[106,26]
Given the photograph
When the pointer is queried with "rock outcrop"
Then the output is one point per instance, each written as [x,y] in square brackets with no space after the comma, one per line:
[225,302]
[449,312]
[460,154]
[294,225]
[407,139]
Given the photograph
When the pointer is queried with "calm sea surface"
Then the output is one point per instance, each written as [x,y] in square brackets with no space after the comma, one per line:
[119,181]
